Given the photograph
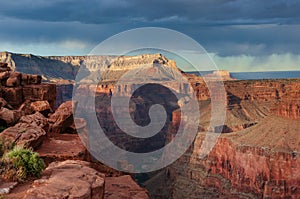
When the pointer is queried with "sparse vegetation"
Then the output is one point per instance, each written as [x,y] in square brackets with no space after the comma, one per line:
[5,146]
[19,164]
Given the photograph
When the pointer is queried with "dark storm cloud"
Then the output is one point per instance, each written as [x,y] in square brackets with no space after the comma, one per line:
[225,27]
[37,31]
[93,11]
[108,11]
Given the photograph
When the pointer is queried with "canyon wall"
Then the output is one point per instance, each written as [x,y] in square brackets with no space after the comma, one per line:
[63,93]
[282,95]
[31,64]
[53,67]
[256,161]
[236,170]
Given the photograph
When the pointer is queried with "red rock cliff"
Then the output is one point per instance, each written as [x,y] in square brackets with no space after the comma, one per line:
[258,161]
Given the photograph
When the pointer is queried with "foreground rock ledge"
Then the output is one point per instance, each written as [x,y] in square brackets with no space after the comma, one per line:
[124,187]
[68,179]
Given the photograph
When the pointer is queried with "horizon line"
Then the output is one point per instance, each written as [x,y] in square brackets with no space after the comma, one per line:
[19,53]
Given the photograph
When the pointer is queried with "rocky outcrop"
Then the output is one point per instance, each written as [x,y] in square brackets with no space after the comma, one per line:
[41,92]
[42,107]
[29,132]
[16,88]
[36,119]
[76,179]
[62,118]
[62,147]
[59,144]
[10,117]
[68,179]
[123,187]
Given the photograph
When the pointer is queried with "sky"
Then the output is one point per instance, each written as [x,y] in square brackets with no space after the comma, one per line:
[239,35]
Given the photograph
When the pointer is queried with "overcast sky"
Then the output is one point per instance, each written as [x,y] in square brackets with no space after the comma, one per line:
[240,35]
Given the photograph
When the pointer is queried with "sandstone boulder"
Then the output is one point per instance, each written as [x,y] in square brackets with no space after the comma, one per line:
[9,116]
[42,107]
[24,134]
[14,80]
[68,179]
[36,119]
[26,108]
[62,118]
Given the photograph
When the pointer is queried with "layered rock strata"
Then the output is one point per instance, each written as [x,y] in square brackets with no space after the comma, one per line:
[17,87]
[259,160]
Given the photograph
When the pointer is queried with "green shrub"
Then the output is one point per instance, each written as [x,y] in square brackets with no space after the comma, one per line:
[22,163]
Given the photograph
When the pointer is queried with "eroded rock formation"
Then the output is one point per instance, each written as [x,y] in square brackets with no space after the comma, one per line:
[18,87]
[53,67]
[258,160]
[62,118]
[29,132]
[68,179]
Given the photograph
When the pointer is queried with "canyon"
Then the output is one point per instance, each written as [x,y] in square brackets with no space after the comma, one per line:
[256,155]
